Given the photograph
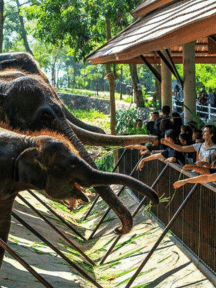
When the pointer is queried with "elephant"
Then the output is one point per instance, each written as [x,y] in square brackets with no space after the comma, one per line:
[29,103]
[48,161]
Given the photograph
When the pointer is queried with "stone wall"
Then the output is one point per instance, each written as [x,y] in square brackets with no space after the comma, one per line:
[87,103]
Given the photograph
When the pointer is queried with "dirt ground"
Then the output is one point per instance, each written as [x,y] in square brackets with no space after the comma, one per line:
[168,267]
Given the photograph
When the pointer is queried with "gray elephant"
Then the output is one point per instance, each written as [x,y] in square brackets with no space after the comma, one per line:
[53,164]
[29,103]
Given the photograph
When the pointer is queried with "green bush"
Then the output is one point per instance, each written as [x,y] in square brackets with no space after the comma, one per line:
[105,162]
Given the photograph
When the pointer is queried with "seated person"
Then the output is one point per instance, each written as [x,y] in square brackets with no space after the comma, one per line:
[138,124]
[151,123]
[185,140]
[186,129]
[208,173]
[169,154]
[165,115]
[204,150]
[177,122]
[155,146]
[197,136]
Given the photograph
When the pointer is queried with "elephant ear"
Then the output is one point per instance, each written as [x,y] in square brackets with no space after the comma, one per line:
[28,168]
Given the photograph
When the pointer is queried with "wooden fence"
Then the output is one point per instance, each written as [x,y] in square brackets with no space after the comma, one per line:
[196,225]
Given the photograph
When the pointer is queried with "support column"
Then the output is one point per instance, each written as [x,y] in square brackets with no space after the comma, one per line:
[189,80]
[166,93]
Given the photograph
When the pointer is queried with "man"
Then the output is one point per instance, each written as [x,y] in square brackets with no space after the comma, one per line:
[165,115]
[151,123]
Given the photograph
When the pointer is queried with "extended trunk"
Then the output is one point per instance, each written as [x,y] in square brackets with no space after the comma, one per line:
[102,178]
[105,192]
[90,138]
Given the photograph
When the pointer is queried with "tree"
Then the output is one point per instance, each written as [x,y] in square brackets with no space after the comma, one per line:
[83,26]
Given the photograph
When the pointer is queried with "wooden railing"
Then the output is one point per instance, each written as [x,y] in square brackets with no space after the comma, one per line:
[196,225]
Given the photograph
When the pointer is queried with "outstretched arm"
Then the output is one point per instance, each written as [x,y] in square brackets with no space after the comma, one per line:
[179,148]
[199,169]
[150,158]
[198,179]
[137,147]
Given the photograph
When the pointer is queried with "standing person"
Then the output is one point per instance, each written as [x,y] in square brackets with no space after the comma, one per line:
[151,123]
[211,98]
[177,122]
[165,115]
[204,150]
[203,101]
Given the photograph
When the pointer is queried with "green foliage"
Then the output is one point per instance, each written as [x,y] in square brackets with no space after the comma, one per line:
[105,162]
[90,115]
[126,121]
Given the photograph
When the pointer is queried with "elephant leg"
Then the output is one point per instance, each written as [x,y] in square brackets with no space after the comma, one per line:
[5,222]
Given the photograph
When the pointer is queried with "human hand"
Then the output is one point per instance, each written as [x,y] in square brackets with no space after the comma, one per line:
[178,184]
[129,147]
[188,167]
[144,153]
[141,165]
[163,141]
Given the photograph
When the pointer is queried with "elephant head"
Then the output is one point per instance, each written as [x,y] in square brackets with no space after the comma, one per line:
[57,168]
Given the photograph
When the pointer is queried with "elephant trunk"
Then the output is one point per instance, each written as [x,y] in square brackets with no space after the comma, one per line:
[90,138]
[105,192]
[102,178]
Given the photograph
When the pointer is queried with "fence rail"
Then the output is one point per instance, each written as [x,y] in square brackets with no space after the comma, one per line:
[207,113]
[196,225]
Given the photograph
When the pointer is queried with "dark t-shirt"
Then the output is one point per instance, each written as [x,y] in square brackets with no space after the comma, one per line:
[153,148]
[212,170]
[150,127]
[169,152]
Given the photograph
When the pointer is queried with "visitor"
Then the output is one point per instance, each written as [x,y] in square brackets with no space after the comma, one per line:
[138,124]
[204,150]
[165,115]
[177,122]
[169,154]
[197,136]
[205,171]
[211,98]
[149,148]
[185,140]
[151,123]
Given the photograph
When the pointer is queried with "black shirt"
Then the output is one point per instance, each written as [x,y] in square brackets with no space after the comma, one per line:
[169,152]
[153,148]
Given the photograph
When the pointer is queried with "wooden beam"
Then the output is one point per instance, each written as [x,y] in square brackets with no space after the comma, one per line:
[166,62]
[153,70]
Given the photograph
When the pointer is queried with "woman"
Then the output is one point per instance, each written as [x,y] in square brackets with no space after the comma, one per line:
[169,154]
[204,150]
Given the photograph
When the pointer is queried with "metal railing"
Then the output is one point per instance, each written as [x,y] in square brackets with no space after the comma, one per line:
[195,227]
[206,112]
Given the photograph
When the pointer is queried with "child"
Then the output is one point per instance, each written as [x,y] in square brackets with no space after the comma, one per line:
[185,139]
[155,146]
[169,154]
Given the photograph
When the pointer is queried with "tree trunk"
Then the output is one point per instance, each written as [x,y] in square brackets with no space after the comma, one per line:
[23,31]
[137,91]
[111,79]
[1,23]
[53,73]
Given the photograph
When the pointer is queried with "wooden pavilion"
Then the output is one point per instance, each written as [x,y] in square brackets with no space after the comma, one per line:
[167,32]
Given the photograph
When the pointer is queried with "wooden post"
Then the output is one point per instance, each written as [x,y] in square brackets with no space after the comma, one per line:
[189,80]
[166,93]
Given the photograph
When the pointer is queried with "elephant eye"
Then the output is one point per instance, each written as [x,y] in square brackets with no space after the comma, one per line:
[73,166]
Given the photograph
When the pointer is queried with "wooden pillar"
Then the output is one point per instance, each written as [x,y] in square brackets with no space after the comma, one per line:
[166,93]
[189,80]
